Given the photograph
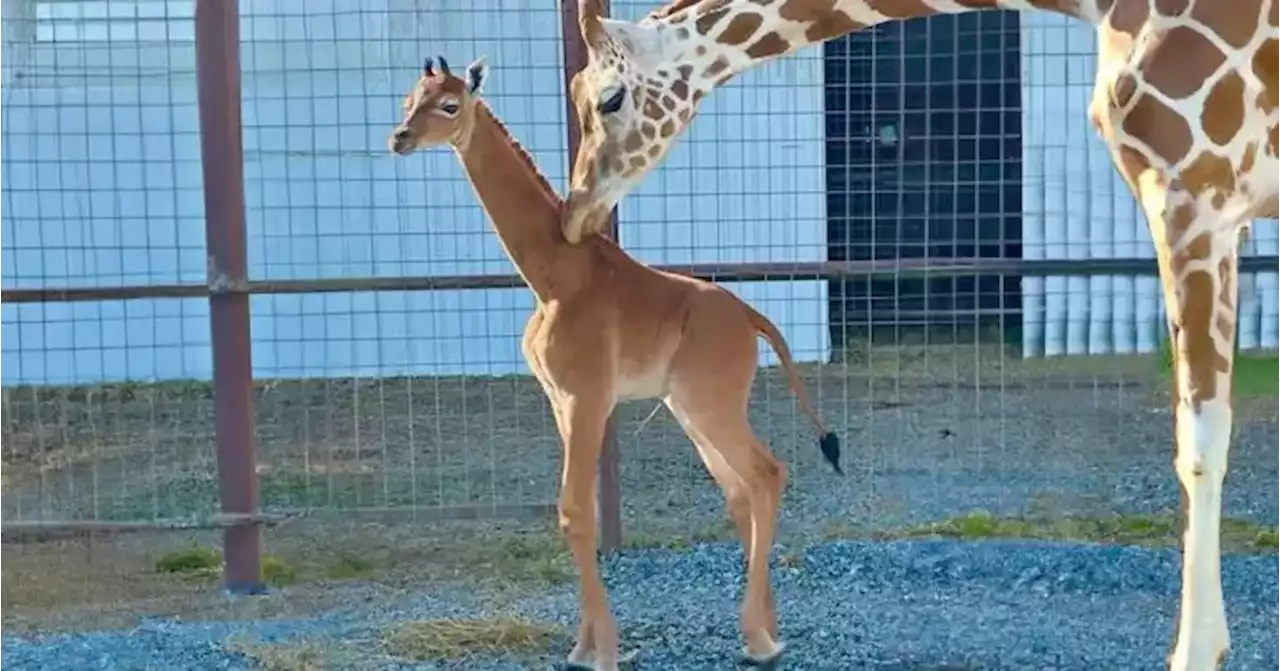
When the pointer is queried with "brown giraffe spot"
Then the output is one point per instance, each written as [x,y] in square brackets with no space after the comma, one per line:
[1172,7]
[617,165]
[1226,328]
[636,162]
[834,25]
[770,44]
[652,110]
[1208,172]
[1196,250]
[680,89]
[1162,129]
[1235,22]
[1180,63]
[1218,200]
[655,150]
[825,20]
[668,128]
[686,71]
[1128,17]
[1266,62]
[700,50]
[708,20]
[741,28]
[633,141]
[1132,164]
[685,115]
[649,130]
[1123,89]
[1223,113]
[978,4]
[720,64]
[1202,359]
[1226,298]
[669,103]
[1249,158]
[1273,141]
[698,95]
[682,33]
[1274,16]
[901,9]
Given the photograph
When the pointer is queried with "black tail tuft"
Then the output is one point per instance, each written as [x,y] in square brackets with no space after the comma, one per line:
[830,446]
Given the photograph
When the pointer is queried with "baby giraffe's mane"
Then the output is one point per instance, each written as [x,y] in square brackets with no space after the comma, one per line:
[523,153]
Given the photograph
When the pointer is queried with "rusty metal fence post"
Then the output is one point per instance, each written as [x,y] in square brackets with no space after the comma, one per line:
[222,162]
[610,491]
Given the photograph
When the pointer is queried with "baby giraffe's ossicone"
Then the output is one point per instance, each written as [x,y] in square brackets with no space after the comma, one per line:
[607,328]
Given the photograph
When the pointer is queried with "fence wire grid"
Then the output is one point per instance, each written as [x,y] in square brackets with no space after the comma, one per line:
[997,348]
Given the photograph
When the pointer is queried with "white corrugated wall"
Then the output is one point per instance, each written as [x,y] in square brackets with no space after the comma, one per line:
[325,199]
[1075,206]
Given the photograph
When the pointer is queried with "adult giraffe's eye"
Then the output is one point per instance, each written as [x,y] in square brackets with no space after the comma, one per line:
[613,102]
[449,108]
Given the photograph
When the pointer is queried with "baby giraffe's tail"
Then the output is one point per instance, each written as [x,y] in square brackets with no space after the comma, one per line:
[827,442]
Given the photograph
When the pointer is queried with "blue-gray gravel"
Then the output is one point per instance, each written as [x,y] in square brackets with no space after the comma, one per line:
[929,604]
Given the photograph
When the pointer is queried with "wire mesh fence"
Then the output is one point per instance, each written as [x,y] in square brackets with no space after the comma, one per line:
[921,208]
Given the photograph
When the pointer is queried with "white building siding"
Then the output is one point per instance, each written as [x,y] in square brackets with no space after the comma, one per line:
[1076,206]
[102,187]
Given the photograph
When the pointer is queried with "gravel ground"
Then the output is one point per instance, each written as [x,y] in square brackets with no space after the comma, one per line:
[903,605]
[917,448]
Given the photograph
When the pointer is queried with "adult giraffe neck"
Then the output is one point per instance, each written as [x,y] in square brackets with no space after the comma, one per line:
[725,37]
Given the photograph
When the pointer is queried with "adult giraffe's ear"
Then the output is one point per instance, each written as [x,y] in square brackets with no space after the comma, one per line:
[640,42]
[477,72]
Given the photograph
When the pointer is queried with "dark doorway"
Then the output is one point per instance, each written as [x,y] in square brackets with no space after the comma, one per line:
[924,161]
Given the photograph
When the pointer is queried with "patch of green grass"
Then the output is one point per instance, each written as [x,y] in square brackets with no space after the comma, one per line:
[534,557]
[347,567]
[277,572]
[457,638]
[201,562]
[1238,536]
[1267,540]
[1254,374]
[193,561]
[1257,376]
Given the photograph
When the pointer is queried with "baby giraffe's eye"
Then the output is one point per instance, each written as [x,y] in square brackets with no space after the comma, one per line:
[449,108]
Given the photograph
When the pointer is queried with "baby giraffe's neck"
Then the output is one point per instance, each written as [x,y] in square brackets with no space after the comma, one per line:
[522,207]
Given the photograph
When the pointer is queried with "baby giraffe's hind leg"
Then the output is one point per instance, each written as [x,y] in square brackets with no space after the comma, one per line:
[752,481]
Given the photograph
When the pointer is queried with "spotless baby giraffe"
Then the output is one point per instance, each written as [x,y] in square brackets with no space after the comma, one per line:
[1185,99]
[608,328]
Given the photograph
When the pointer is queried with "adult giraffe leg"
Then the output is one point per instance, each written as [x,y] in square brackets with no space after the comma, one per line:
[1198,266]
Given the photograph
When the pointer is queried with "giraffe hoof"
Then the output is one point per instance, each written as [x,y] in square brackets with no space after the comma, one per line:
[769,663]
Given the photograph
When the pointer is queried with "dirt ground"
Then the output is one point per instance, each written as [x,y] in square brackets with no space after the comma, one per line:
[929,432]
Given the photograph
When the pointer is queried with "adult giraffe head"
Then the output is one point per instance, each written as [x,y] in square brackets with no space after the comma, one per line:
[644,81]
[642,85]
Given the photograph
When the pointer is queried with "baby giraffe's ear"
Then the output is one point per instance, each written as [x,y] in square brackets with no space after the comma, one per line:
[476,74]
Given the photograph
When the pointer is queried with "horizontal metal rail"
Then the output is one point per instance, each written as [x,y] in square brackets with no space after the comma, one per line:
[721,272]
